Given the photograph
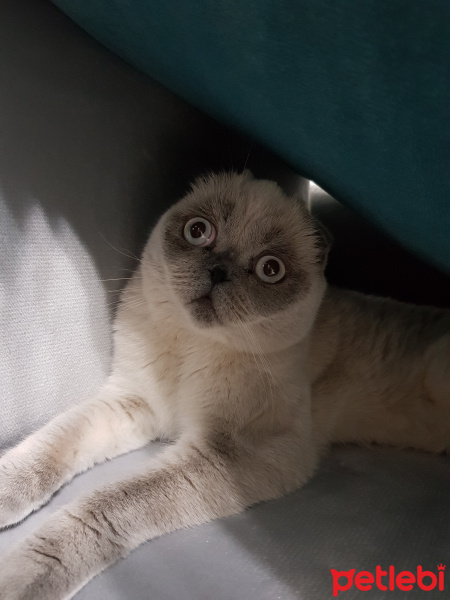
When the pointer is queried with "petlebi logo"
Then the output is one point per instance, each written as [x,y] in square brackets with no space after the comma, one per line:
[388,580]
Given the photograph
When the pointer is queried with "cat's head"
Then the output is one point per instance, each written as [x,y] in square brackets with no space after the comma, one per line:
[237,254]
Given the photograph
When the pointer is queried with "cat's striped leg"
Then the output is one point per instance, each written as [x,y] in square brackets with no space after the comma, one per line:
[189,485]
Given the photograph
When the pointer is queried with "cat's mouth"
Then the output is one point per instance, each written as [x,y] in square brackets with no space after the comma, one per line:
[205,301]
[204,311]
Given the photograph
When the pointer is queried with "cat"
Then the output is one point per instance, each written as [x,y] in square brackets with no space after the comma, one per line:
[228,342]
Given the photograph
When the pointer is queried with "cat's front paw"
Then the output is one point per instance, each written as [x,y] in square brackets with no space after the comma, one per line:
[15,499]
[24,487]
[55,561]
[26,574]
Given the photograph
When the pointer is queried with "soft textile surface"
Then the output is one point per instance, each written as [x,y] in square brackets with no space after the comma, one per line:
[354,94]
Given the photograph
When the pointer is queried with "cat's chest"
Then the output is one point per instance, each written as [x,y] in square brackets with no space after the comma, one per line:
[172,370]
[196,381]
[181,367]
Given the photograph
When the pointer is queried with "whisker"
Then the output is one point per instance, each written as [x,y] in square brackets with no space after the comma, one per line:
[128,305]
[116,279]
[248,156]
[259,356]
[269,395]
[264,361]
[130,255]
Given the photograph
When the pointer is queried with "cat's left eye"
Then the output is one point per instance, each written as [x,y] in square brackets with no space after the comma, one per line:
[270,269]
[199,232]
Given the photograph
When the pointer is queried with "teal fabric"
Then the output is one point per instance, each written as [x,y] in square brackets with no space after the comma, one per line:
[355,95]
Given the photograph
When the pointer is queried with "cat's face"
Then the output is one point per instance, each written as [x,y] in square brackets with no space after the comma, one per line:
[236,250]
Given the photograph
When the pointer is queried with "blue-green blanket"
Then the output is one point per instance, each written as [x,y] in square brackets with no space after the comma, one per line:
[353,94]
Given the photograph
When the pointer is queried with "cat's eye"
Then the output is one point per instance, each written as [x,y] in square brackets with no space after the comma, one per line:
[199,232]
[270,269]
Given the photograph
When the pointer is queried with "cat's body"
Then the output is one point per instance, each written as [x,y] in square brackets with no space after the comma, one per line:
[381,372]
[252,379]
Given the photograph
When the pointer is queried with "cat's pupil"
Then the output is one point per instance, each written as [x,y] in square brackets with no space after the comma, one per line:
[198,229]
[271,268]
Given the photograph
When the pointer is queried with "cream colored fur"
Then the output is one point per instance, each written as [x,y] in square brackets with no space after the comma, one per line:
[252,400]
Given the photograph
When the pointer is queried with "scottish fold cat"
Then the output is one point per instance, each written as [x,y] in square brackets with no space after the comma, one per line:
[229,343]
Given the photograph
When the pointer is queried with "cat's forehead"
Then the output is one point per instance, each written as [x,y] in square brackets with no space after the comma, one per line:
[226,194]
[243,211]
[254,211]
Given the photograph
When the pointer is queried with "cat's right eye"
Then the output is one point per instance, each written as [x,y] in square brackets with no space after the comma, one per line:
[199,232]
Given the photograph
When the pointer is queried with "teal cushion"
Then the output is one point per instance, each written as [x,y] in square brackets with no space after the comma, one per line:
[354,95]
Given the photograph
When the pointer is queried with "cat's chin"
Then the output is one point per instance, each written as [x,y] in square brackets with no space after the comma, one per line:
[203,312]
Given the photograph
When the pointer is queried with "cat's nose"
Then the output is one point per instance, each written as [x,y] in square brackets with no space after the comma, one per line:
[218,274]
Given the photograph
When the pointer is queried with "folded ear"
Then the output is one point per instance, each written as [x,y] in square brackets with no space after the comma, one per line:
[322,237]
[324,241]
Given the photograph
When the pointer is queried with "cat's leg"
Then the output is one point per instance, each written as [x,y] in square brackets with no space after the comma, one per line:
[191,484]
[111,423]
